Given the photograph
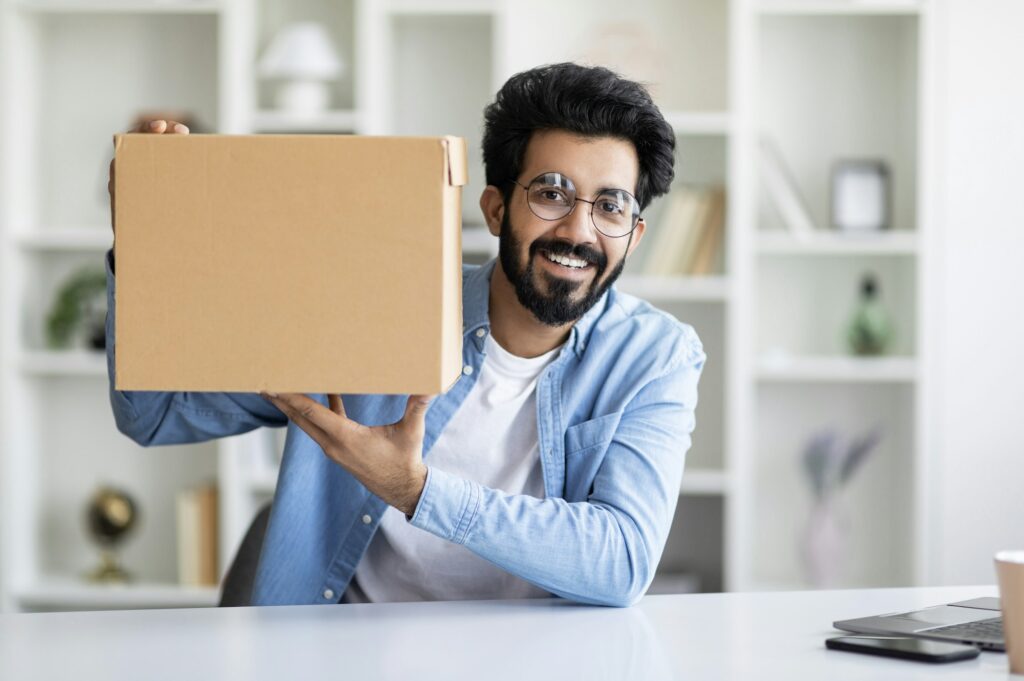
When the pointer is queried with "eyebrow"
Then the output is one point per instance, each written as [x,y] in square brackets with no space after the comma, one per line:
[601,190]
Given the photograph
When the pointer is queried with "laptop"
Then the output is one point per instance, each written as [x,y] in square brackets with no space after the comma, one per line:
[977,622]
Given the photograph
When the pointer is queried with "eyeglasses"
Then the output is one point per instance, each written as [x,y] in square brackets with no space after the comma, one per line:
[552,196]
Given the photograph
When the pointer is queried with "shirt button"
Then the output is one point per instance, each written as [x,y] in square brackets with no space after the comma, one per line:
[480,333]
[367,520]
[328,594]
[468,370]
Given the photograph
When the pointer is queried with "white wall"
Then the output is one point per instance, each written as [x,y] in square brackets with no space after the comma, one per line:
[980,305]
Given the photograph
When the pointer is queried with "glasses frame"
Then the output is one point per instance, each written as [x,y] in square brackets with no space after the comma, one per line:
[577,199]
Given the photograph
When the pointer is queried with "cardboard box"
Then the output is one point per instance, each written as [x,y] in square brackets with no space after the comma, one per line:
[288,263]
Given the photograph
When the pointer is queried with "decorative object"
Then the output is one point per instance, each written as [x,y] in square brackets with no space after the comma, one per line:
[780,191]
[870,330]
[829,463]
[78,313]
[111,514]
[860,195]
[304,58]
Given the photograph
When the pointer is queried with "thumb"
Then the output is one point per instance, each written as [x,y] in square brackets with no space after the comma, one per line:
[416,410]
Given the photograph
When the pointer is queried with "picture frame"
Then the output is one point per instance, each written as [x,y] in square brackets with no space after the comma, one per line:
[861,196]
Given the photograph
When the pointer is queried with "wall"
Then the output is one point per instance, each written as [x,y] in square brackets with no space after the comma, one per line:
[979,303]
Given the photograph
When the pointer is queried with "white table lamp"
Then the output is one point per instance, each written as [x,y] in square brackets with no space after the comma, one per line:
[304,58]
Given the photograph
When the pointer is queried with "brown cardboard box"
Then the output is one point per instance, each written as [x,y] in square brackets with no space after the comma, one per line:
[288,263]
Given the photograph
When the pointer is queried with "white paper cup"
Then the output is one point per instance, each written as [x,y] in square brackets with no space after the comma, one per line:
[1010,570]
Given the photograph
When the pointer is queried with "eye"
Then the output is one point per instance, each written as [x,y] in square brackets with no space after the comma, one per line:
[551,195]
[609,206]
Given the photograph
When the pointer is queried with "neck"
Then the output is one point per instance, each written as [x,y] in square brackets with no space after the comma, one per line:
[514,327]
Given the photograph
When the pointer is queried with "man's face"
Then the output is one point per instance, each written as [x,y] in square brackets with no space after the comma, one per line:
[556,293]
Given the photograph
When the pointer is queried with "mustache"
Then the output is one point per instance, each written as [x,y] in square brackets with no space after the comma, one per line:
[578,251]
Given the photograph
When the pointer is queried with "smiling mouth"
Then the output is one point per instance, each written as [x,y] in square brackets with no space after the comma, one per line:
[566,261]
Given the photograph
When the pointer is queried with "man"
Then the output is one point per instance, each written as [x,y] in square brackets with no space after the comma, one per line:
[553,465]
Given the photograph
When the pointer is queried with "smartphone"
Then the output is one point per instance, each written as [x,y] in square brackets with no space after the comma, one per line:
[908,648]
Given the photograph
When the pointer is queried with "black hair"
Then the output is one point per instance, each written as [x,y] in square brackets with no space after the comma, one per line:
[586,100]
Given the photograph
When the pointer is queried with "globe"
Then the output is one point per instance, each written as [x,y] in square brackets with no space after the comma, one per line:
[111,515]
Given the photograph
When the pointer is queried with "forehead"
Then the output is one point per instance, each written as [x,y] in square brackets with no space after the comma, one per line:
[592,163]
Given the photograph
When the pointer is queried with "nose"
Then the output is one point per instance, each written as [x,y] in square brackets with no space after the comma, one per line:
[577,227]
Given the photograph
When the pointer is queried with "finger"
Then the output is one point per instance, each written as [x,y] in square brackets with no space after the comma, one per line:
[157,126]
[296,416]
[336,405]
[177,128]
[110,191]
[416,410]
[310,410]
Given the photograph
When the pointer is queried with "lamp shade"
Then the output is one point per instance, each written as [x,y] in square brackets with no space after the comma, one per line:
[301,51]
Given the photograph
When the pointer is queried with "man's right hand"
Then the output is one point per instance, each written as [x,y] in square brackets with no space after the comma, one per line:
[156,127]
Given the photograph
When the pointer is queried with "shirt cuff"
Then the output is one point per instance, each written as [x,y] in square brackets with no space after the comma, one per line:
[448,506]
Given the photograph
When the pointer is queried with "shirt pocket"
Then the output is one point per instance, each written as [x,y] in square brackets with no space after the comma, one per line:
[586,444]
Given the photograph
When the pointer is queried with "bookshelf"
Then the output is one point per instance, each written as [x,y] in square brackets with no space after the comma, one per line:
[769,313]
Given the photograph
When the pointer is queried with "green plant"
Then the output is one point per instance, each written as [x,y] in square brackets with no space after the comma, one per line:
[75,305]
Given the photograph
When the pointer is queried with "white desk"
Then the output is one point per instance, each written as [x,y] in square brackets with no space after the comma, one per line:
[700,637]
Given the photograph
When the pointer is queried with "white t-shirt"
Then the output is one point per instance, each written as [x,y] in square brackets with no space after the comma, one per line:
[491,439]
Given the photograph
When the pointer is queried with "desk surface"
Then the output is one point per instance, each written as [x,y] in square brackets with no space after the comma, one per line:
[710,636]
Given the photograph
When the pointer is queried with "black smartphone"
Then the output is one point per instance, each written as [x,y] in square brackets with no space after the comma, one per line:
[907,648]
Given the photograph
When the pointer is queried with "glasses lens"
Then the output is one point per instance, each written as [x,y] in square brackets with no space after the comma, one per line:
[616,212]
[551,196]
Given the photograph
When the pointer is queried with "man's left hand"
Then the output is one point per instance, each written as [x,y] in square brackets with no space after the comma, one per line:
[388,460]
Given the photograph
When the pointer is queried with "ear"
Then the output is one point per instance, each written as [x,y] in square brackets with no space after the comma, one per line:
[492,205]
[636,236]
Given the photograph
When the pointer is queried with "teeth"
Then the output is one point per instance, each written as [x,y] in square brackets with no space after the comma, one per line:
[564,260]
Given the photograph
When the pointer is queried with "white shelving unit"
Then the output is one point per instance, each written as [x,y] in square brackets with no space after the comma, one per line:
[827,80]
[770,321]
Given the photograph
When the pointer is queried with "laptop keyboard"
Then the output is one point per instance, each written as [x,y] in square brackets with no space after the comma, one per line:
[988,631]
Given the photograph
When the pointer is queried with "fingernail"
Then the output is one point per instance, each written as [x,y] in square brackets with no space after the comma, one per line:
[153,125]
[180,129]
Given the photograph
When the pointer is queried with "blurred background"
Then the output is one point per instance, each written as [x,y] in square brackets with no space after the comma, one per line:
[844,233]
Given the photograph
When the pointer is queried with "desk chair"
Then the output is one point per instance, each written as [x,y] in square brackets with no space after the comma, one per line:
[237,587]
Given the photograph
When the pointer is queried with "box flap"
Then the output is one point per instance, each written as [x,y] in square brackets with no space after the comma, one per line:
[457,162]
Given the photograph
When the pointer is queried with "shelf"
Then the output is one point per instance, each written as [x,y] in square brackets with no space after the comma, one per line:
[835,243]
[346,121]
[442,7]
[704,483]
[697,289]
[120,7]
[838,369]
[838,7]
[698,122]
[68,593]
[67,239]
[64,363]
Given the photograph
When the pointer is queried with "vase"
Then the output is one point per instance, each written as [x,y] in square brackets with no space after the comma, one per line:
[823,544]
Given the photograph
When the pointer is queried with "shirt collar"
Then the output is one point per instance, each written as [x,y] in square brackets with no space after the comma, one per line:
[476,288]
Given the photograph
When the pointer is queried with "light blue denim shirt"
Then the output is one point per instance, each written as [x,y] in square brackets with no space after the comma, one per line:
[615,412]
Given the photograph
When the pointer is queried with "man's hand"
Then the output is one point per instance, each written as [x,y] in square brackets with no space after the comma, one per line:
[388,460]
[158,127]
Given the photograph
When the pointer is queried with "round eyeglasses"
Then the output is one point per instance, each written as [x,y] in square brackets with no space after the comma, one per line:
[552,196]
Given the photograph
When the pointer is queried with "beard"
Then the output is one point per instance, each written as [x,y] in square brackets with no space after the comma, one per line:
[558,306]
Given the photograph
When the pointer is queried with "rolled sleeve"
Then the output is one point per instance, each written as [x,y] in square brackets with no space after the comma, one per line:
[448,506]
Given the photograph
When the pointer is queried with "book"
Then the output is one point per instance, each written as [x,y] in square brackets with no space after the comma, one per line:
[674,229]
[197,536]
[705,258]
[781,191]
[694,235]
